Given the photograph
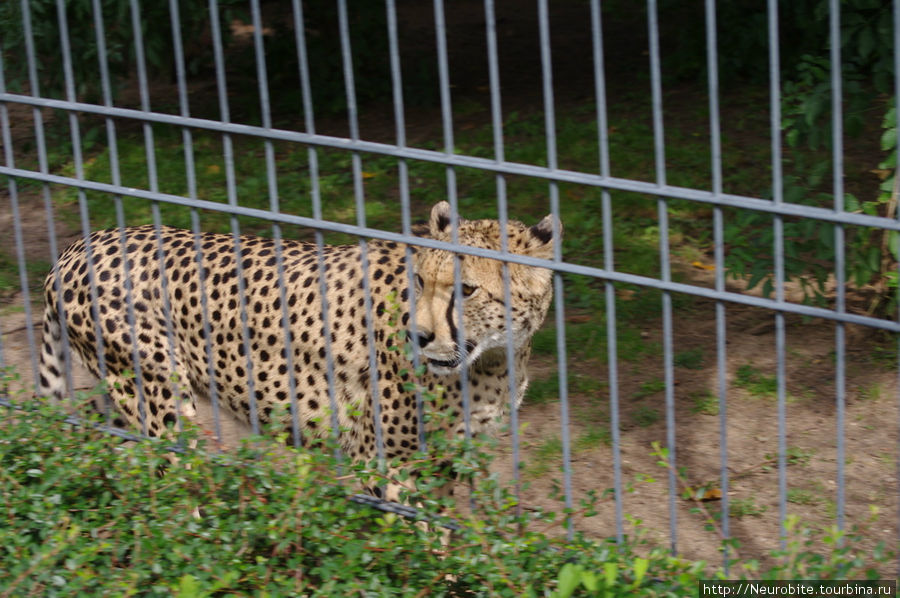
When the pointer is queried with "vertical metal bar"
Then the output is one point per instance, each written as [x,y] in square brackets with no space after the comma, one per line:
[665,273]
[358,193]
[403,176]
[608,264]
[153,179]
[312,155]
[276,228]
[190,173]
[17,234]
[552,163]
[116,177]
[231,191]
[778,249]
[440,26]
[712,67]
[503,215]
[43,165]
[839,273]
[896,21]
[75,133]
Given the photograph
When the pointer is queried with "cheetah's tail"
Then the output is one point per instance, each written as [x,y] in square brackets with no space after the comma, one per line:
[52,378]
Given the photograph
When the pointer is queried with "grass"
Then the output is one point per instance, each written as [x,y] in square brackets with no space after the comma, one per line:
[801,496]
[745,507]
[705,402]
[755,382]
[546,390]
[544,456]
[542,391]
[35,270]
[645,416]
[649,388]
[548,453]
[593,438]
[870,392]
[691,359]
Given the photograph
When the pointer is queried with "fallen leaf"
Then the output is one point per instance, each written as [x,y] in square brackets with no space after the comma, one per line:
[703,494]
[702,266]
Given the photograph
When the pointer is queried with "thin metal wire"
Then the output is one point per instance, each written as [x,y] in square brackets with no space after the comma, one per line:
[665,273]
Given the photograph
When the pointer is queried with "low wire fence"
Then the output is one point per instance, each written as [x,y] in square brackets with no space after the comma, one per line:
[62,113]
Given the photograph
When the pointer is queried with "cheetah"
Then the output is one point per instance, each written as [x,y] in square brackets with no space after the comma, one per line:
[160,358]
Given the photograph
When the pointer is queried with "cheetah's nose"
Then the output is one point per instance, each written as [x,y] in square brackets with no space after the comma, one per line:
[425,338]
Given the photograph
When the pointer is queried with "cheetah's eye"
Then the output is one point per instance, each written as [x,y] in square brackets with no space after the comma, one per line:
[468,290]
[420,284]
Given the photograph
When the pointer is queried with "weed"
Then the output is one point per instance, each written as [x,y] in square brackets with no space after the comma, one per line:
[705,402]
[542,390]
[645,416]
[871,392]
[799,456]
[800,496]
[746,507]
[544,456]
[755,382]
[587,385]
[691,359]
[593,438]
[650,387]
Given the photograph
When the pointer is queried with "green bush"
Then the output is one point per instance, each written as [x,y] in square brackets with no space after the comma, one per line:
[366,21]
[156,30]
[86,514]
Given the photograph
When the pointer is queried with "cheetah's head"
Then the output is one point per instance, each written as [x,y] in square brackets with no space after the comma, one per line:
[484,322]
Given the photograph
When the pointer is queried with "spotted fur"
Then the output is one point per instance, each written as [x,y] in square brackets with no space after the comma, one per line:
[165,382]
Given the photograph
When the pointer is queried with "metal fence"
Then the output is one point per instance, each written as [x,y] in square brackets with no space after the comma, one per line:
[32,189]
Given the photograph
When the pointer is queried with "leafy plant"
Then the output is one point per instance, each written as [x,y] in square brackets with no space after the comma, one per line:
[691,359]
[645,416]
[746,507]
[809,247]
[755,382]
[705,402]
[156,31]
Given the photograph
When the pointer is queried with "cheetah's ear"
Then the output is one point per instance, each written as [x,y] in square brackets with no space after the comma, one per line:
[440,218]
[542,237]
